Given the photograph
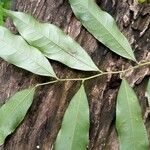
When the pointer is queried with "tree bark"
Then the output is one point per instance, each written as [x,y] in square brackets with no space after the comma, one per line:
[43,121]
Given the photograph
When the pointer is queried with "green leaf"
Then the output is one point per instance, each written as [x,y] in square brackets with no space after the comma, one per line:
[16,51]
[141,1]
[1,15]
[52,42]
[148,92]
[130,127]
[14,111]
[6,3]
[74,133]
[102,26]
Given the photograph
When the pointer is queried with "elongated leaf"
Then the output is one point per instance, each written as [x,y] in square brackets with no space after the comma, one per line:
[131,130]
[148,92]
[102,26]
[16,51]
[13,112]
[74,132]
[52,42]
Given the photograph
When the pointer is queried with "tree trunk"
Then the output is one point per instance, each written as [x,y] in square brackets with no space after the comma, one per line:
[43,121]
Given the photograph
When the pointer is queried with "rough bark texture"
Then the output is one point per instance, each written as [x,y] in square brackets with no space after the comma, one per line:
[42,123]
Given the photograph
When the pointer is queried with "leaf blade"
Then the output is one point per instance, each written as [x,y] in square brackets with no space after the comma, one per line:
[6,3]
[16,51]
[130,127]
[75,127]
[102,26]
[52,42]
[13,112]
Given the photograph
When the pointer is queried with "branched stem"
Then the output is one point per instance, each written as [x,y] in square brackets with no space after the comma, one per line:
[94,76]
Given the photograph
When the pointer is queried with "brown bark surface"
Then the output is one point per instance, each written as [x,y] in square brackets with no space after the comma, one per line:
[42,122]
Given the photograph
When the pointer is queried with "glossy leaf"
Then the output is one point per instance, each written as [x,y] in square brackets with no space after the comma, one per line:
[148,92]
[130,127]
[74,133]
[102,26]
[52,42]
[16,51]
[14,111]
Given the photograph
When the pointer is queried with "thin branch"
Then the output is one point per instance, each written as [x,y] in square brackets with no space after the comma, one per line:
[94,76]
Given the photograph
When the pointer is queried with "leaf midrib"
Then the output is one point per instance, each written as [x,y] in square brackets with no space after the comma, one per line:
[76,118]
[130,113]
[43,67]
